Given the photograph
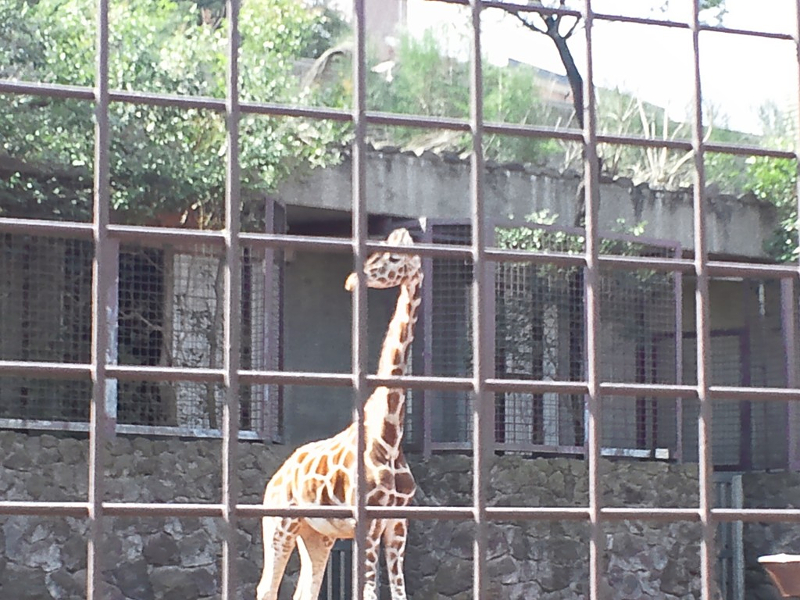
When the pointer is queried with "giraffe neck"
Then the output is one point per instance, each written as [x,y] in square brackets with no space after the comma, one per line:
[385,409]
[397,343]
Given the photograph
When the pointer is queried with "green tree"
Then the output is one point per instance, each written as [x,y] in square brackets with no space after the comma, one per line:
[426,81]
[775,180]
[163,160]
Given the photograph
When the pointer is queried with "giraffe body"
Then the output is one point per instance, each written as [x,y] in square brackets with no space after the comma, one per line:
[322,473]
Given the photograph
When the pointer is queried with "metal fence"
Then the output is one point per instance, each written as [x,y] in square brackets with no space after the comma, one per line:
[97,370]
[164,309]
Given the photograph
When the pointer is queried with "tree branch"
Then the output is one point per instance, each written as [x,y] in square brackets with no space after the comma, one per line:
[526,23]
[572,29]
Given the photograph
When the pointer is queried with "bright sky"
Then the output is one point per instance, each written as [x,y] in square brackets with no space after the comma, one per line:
[739,74]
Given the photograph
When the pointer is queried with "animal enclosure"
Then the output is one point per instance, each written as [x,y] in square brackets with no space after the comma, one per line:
[536,341]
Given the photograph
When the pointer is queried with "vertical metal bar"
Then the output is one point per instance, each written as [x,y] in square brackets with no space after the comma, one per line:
[706,464]
[359,328]
[678,357]
[100,288]
[794,409]
[789,329]
[232,325]
[737,541]
[481,360]
[592,191]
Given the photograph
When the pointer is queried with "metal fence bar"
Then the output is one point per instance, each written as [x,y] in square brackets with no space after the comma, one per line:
[177,237]
[482,403]
[359,331]
[231,307]
[788,290]
[703,320]
[494,514]
[157,374]
[100,285]
[391,119]
[592,287]
[481,384]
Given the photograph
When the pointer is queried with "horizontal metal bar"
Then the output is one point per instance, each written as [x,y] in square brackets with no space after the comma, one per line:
[622,139]
[639,20]
[174,236]
[296,378]
[747,32]
[747,150]
[121,429]
[66,229]
[739,269]
[756,515]
[657,390]
[259,510]
[134,509]
[47,90]
[678,265]
[720,392]
[610,17]
[523,8]
[154,373]
[44,509]
[534,131]
[423,382]
[536,386]
[195,510]
[45,370]
[560,259]
[663,515]
[384,118]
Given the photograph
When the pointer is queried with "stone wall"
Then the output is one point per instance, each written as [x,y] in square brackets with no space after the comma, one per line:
[173,558]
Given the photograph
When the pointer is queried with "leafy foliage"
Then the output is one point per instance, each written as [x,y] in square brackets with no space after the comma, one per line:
[775,180]
[163,159]
[427,82]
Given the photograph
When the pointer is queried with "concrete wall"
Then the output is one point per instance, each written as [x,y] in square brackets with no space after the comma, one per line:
[171,558]
[317,338]
[434,186]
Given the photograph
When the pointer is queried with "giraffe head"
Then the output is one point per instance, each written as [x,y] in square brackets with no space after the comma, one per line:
[389,269]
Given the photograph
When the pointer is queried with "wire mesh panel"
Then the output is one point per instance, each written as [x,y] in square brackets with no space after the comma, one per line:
[450,338]
[168,313]
[45,300]
[640,314]
[539,335]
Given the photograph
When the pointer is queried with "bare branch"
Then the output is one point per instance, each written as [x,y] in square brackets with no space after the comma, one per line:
[572,29]
[526,23]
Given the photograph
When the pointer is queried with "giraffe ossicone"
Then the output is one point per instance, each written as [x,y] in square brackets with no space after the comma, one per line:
[322,473]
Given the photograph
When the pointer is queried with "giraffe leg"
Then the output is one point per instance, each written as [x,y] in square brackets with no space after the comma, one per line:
[314,549]
[280,536]
[371,567]
[394,545]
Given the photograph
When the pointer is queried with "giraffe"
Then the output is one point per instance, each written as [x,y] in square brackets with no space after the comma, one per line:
[323,472]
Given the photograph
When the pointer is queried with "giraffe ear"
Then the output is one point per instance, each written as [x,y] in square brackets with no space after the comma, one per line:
[351,282]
